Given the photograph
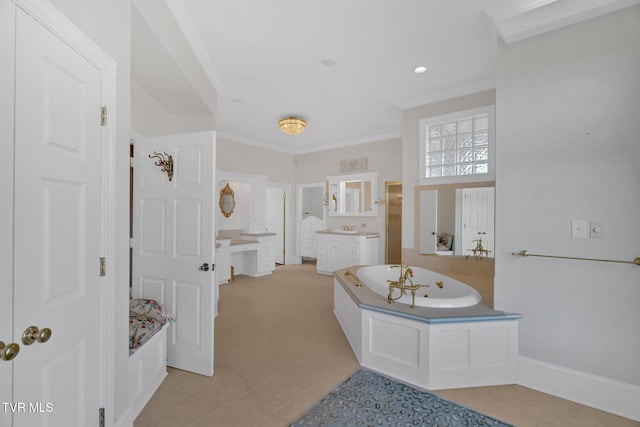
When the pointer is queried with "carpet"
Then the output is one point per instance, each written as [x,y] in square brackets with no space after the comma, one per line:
[369,399]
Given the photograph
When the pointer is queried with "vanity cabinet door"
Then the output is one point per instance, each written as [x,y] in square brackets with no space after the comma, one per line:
[322,260]
[223,264]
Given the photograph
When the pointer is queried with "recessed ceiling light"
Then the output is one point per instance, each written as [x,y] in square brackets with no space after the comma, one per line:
[236,100]
[328,62]
[421,69]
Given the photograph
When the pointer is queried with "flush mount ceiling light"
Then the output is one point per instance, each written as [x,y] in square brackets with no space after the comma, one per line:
[292,125]
[419,70]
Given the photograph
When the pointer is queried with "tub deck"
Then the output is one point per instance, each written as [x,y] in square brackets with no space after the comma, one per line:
[366,298]
[430,348]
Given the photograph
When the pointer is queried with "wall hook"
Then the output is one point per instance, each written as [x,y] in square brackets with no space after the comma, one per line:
[165,161]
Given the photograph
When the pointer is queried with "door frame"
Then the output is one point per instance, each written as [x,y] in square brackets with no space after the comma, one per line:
[387,184]
[286,190]
[59,25]
[299,190]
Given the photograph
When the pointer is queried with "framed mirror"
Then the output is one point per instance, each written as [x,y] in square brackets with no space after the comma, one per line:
[353,195]
[227,201]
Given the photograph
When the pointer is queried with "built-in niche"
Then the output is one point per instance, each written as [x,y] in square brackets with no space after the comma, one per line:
[456,220]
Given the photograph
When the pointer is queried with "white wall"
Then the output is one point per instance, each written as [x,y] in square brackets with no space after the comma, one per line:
[384,157]
[238,157]
[411,150]
[150,118]
[568,109]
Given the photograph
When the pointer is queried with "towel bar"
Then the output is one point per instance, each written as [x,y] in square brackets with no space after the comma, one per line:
[526,253]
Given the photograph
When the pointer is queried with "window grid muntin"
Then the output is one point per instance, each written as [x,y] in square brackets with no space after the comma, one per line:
[458,147]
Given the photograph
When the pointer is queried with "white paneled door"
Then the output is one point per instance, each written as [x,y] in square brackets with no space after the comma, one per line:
[58,227]
[275,220]
[478,219]
[174,241]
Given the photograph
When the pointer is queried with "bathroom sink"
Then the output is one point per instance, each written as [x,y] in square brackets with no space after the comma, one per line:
[345,231]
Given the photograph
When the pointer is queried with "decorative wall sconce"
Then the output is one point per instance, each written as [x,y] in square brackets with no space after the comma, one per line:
[165,161]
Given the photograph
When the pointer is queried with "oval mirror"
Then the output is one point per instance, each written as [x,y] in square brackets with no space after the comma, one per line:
[227,201]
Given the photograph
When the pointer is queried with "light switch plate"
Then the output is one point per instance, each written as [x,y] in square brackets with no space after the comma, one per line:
[579,228]
[596,230]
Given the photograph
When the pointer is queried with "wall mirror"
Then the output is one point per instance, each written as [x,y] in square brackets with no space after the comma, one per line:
[454,220]
[353,195]
[227,201]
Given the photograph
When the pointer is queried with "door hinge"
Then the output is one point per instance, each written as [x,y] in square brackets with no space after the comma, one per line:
[101,417]
[103,116]
[103,267]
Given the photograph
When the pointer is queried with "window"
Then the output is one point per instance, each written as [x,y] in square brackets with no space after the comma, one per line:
[458,145]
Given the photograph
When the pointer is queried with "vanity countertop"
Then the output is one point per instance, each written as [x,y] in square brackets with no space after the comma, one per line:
[266,233]
[349,232]
[235,242]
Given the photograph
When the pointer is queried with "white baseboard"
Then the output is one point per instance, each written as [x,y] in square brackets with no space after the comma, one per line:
[598,392]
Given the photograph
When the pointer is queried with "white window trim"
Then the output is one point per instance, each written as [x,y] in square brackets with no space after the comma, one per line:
[490,110]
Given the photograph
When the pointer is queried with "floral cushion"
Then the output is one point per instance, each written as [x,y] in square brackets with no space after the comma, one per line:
[146,317]
[150,308]
[141,329]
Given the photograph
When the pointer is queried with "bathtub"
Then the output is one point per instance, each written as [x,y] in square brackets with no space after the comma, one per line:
[452,294]
[450,341]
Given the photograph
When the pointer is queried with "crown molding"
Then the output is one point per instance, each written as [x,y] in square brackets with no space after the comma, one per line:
[517,20]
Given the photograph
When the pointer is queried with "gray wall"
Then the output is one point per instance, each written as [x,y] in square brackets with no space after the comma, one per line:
[568,109]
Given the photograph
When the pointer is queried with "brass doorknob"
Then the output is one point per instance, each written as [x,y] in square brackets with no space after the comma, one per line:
[204,267]
[32,334]
[9,352]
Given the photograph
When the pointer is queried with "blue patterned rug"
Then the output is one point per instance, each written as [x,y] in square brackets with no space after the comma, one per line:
[369,399]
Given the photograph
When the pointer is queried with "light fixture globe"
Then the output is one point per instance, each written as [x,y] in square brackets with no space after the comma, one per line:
[292,125]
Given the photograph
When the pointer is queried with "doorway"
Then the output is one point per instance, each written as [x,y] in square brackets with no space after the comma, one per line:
[311,218]
[393,223]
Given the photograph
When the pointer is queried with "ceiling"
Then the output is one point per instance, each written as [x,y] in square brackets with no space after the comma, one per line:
[346,67]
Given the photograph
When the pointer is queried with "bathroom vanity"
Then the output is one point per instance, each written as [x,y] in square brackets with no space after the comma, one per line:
[338,249]
[251,254]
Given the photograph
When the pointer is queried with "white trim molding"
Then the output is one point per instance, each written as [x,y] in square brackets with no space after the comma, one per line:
[519,20]
[598,392]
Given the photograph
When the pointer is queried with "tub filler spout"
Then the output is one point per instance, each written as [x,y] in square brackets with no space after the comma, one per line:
[403,287]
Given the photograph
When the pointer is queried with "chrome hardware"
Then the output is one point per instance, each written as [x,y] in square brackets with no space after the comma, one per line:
[9,352]
[165,161]
[204,267]
[32,334]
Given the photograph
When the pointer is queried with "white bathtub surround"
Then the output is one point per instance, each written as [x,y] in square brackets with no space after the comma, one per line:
[431,348]
[439,291]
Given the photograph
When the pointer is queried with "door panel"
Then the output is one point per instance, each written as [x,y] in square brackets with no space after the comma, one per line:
[275,220]
[174,230]
[428,221]
[58,238]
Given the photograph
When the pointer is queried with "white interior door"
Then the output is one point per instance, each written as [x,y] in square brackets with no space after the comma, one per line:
[58,228]
[275,220]
[428,221]
[478,219]
[310,214]
[174,235]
